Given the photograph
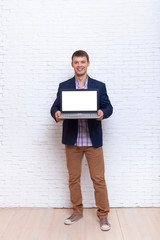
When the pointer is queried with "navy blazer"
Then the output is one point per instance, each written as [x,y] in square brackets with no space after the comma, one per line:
[70,126]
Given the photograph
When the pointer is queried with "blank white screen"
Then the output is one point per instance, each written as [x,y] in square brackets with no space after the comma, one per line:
[79,100]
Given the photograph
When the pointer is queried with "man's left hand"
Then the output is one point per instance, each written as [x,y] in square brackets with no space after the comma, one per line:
[100,113]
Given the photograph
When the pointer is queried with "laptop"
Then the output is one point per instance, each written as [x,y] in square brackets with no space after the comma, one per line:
[79,104]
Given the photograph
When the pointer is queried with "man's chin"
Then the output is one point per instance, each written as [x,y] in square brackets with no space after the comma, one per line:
[80,74]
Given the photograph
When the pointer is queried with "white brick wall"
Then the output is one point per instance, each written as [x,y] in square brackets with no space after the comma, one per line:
[38,38]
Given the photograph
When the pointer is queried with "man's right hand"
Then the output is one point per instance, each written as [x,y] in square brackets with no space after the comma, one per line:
[57,115]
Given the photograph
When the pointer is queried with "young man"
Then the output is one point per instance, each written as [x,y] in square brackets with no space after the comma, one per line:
[85,137]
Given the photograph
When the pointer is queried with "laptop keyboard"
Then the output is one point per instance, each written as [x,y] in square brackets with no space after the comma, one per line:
[79,116]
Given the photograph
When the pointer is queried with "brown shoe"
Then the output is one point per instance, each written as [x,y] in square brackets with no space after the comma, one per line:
[72,219]
[104,224]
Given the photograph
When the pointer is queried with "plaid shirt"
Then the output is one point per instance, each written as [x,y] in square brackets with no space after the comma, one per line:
[83,138]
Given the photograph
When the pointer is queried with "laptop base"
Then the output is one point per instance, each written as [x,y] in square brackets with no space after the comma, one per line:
[79,116]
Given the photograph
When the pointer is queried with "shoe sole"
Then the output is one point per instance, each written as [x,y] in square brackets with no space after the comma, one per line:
[105,228]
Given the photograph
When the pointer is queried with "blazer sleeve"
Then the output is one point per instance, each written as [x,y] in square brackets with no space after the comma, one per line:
[105,104]
[56,105]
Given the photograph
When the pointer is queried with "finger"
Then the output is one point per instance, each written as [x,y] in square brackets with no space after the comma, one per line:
[98,113]
[57,117]
[59,114]
[100,117]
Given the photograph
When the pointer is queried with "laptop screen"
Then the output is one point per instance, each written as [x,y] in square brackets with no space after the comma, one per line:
[79,100]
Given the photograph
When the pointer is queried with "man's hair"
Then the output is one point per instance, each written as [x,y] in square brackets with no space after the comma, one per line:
[80,53]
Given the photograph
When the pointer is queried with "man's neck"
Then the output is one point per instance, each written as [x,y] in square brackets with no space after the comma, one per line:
[81,79]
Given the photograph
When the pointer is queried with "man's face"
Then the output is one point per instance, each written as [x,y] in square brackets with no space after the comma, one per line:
[80,65]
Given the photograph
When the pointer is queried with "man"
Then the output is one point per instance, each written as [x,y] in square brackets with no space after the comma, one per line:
[85,137]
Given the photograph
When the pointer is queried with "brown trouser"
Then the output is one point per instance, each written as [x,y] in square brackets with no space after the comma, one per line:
[94,156]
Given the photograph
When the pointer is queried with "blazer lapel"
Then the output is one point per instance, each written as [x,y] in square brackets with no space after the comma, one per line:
[72,84]
[90,83]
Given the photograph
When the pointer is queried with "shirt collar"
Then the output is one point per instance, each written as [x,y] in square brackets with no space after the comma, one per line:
[85,83]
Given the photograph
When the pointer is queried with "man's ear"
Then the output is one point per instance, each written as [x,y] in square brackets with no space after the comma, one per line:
[72,64]
[88,64]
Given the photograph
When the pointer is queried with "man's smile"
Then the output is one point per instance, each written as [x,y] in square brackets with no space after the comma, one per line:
[80,69]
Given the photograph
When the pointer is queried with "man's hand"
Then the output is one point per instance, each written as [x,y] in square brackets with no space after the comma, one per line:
[100,113]
[57,115]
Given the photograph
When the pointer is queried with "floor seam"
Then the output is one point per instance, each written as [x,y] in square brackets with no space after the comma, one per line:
[120,225]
